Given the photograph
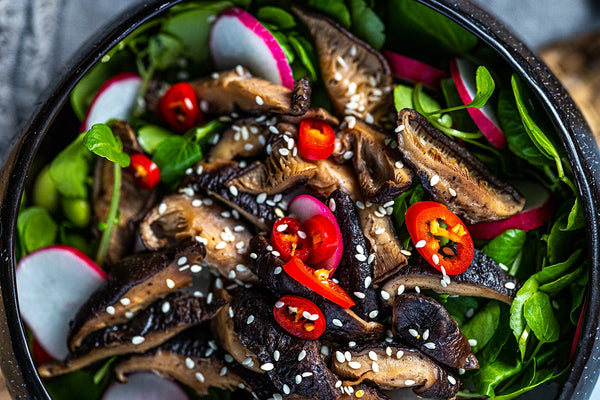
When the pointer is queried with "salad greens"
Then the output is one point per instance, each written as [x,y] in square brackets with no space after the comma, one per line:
[518,347]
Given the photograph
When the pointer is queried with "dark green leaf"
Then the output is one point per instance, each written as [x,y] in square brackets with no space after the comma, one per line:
[497,343]
[459,307]
[36,229]
[304,50]
[555,271]
[164,50]
[553,288]
[366,24]
[101,141]
[70,168]
[539,315]
[489,377]
[505,248]
[461,118]
[174,155]
[276,16]
[149,136]
[285,45]
[561,242]
[537,379]
[517,319]
[576,218]
[76,385]
[483,325]
[336,9]
[578,289]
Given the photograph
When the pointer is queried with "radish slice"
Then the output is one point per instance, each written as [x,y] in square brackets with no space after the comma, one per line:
[237,38]
[52,283]
[305,207]
[145,386]
[414,71]
[539,208]
[114,100]
[463,75]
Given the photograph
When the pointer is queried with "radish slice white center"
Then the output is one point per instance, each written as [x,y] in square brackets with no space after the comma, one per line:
[145,386]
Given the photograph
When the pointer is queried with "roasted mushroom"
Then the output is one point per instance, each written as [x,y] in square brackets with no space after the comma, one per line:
[423,323]
[243,139]
[152,326]
[134,283]
[356,76]
[484,278]
[452,175]
[237,90]
[133,202]
[381,173]
[179,217]
[391,366]
[314,113]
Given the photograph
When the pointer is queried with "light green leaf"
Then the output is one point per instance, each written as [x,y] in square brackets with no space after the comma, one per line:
[36,229]
[70,168]
[306,53]
[149,136]
[483,325]
[276,16]
[335,9]
[174,155]
[101,141]
[164,50]
[539,315]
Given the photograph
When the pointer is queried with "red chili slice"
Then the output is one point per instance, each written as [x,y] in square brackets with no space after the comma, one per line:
[299,317]
[318,281]
[315,139]
[144,170]
[323,235]
[290,240]
[178,107]
[440,236]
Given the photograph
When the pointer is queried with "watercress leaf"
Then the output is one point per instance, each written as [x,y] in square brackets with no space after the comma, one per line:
[276,16]
[554,287]
[174,155]
[36,229]
[70,169]
[149,136]
[483,325]
[306,53]
[555,271]
[164,50]
[461,118]
[404,96]
[101,141]
[517,318]
[485,87]
[505,248]
[539,315]
[366,24]
[336,9]
[576,218]
[561,242]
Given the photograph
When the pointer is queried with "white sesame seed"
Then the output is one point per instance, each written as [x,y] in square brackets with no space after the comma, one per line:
[371,258]
[284,151]
[282,227]
[248,146]
[360,249]
[136,340]
[360,295]
[241,268]
[351,121]
[509,285]
[302,235]
[340,356]
[360,257]
[380,230]
[337,322]
[273,129]
[451,380]
[325,350]
[399,128]
[426,334]
[406,252]
[307,374]
[162,208]
[221,245]
[110,310]
[267,366]
[128,315]
[385,295]
[420,244]
[332,205]
[413,332]
[218,283]
[276,355]
[368,281]
[399,164]
[354,364]
[196,203]
[253,256]
[452,192]
[337,76]
[279,213]
[233,190]
[472,342]
[302,355]
[373,314]
[348,155]
[400,289]
[223,371]
[360,205]
[369,119]
[375,366]
[277,270]
[247,361]
[298,379]
[430,345]
[190,363]
[435,258]
[286,389]
[461,371]
[434,180]
[200,377]
[341,61]
[209,298]
[279,304]
[208,202]
[259,101]
[188,191]
[166,306]
[373,355]
[399,354]
[170,283]
[261,198]
[240,245]
[409,382]
[388,351]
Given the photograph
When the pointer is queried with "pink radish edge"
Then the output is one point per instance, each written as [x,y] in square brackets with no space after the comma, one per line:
[283,66]
[305,207]
[78,253]
[489,129]
[578,331]
[539,208]
[111,81]
[414,71]
[145,386]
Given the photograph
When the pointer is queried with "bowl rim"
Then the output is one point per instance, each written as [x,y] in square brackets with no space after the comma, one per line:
[582,152]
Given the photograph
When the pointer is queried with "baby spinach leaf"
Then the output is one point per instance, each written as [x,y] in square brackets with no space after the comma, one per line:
[174,155]
[576,218]
[505,248]
[489,377]
[483,325]
[36,229]
[366,24]
[70,169]
[518,322]
[149,136]
[534,379]
[77,385]
[276,16]
[336,9]
[553,288]
[539,315]
[577,290]
[205,134]
[304,50]
[460,307]
[164,50]
[555,271]
[561,241]
[101,141]
[501,335]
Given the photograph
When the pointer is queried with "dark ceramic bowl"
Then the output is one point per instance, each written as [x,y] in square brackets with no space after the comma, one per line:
[44,137]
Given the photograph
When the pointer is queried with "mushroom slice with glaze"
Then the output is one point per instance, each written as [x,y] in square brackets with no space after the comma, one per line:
[484,278]
[380,171]
[452,175]
[214,179]
[133,284]
[282,356]
[391,366]
[149,328]
[181,217]
[189,358]
[343,325]
[237,90]
[356,76]
[423,323]
[312,113]
[244,139]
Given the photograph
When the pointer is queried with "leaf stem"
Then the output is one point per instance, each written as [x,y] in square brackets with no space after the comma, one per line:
[112,214]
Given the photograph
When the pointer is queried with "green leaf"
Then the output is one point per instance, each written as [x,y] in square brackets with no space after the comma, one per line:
[555,271]
[496,344]
[305,51]
[404,98]
[36,229]
[577,290]
[78,385]
[149,136]
[45,193]
[539,315]
[174,155]
[505,248]
[276,16]
[335,9]
[288,50]
[561,241]
[485,87]
[461,118]
[101,141]
[104,370]
[576,218]
[205,134]
[483,325]
[517,317]
[489,377]
[70,169]
[536,379]
[366,24]
[164,50]
[553,288]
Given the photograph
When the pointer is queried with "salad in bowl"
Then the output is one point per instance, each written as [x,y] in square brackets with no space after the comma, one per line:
[325,200]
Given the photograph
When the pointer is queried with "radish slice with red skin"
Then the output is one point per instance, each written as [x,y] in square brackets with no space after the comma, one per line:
[145,386]
[52,283]
[539,208]
[463,75]
[305,207]
[114,100]
[577,331]
[237,38]
[414,71]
